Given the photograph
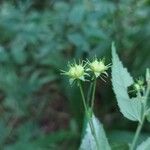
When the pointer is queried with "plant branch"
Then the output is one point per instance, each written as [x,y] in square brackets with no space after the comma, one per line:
[93,95]
[83,97]
[147,94]
[139,128]
[89,93]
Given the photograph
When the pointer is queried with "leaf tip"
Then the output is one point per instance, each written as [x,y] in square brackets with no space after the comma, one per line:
[113,48]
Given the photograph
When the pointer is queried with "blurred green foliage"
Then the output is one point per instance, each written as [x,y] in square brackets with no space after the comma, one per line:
[37,38]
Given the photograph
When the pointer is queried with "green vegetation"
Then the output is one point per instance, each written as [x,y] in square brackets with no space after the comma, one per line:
[38,108]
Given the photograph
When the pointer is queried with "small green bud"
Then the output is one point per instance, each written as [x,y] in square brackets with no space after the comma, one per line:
[76,72]
[139,85]
[98,67]
[137,88]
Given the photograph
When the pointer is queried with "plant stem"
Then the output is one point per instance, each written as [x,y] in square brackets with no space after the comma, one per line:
[88,115]
[139,128]
[89,93]
[147,94]
[93,95]
[83,97]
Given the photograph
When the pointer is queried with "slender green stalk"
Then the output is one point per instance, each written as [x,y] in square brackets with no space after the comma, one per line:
[83,97]
[89,93]
[139,128]
[92,105]
[147,94]
[88,115]
[93,95]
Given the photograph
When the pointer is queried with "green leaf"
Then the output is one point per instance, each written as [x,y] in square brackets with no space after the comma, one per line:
[145,145]
[77,13]
[76,39]
[131,108]
[3,55]
[88,142]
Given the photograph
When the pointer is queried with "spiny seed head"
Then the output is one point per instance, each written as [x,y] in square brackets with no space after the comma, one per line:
[98,67]
[139,85]
[76,72]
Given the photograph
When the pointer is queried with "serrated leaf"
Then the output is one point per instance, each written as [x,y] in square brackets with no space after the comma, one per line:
[145,145]
[88,142]
[131,108]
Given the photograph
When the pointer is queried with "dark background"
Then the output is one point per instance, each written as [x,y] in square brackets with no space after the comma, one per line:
[38,108]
